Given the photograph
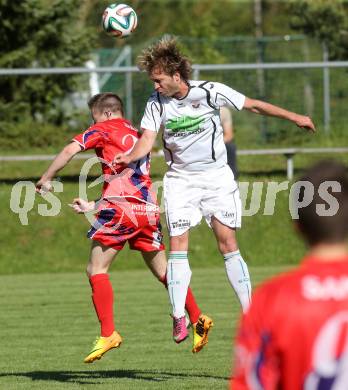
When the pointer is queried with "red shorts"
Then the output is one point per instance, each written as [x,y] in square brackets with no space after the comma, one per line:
[122,221]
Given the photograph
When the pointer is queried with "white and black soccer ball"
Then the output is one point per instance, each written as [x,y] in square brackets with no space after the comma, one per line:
[119,20]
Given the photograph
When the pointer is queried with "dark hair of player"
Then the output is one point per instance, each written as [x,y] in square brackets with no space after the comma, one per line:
[165,55]
[325,229]
[106,101]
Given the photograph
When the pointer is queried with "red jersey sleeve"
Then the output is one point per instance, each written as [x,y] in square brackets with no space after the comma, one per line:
[256,363]
[90,139]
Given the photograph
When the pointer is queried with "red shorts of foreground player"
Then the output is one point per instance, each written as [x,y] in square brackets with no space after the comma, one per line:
[134,221]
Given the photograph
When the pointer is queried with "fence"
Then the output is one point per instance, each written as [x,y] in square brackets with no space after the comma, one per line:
[316,88]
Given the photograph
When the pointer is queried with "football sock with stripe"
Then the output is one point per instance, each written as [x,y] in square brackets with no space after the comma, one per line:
[103,300]
[178,279]
[191,306]
[238,276]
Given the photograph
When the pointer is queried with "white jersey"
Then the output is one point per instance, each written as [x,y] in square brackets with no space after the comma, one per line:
[192,132]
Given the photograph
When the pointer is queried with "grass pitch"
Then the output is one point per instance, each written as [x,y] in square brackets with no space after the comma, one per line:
[48,325]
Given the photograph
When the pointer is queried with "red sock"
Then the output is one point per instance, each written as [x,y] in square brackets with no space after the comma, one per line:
[103,300]
[190,304]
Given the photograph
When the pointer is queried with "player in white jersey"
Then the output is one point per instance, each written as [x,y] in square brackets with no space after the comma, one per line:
[198,181]
[193,136]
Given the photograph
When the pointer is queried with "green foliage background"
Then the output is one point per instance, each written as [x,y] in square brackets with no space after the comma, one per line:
[37,33]
[325,21]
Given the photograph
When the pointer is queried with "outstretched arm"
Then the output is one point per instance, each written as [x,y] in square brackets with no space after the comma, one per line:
[58,163]
[141,148]
[263,108]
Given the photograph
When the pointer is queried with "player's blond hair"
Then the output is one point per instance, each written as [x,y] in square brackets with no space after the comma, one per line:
[165,55]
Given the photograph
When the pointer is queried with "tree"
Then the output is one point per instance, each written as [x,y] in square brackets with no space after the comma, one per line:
[325,21]
[38,33]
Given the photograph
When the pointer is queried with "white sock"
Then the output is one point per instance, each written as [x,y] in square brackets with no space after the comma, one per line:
[178,279]
[238,276]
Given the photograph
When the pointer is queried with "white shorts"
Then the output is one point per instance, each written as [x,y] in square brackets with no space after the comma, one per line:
[190,196]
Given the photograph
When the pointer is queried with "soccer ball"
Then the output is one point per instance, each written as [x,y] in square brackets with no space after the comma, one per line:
[119,20]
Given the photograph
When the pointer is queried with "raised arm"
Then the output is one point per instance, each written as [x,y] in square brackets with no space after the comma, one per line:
[263,108]
[58,163]
[141,148]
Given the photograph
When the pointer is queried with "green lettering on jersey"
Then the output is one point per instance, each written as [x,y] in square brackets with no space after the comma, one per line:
[184,123]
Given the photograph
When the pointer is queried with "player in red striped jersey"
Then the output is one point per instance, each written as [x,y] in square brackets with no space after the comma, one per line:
[127,211]
[295,333]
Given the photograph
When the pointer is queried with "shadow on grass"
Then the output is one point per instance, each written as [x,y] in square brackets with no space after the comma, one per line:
[86,377]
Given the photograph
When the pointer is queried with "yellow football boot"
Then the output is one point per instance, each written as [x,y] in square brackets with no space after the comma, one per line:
[102,345]
[200,332]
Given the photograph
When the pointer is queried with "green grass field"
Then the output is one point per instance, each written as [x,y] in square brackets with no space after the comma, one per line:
[48,325]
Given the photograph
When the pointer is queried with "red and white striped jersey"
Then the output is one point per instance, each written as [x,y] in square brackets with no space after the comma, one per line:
[108,139]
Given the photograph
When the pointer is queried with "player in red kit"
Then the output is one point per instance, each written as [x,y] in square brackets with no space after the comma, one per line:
[126,212]
[295,334]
